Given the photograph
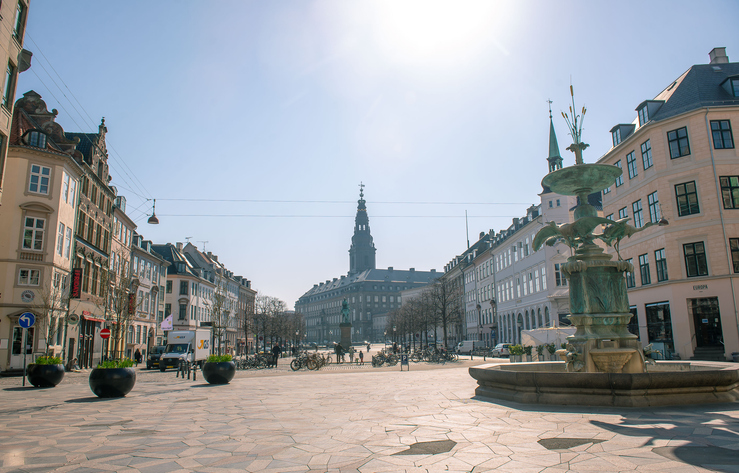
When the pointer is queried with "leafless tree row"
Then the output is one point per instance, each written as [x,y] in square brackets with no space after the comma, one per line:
[438,308]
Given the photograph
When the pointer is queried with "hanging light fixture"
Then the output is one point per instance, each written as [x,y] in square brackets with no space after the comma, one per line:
[153,220]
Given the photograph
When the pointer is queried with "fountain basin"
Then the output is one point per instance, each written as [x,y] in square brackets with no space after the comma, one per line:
[665,383]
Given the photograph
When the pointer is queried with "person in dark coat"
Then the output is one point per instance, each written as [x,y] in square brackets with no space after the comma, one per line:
[276,354]
[137,356]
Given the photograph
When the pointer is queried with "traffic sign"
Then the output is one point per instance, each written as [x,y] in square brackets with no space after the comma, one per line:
[26,320]
[105,333]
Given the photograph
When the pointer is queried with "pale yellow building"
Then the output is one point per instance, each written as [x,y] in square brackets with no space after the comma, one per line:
[15,59]
[680,162]
[37,219]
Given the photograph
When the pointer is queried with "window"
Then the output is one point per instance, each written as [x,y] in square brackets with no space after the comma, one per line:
[661,262]
[620,178]
[559,277]
[622,213]
[607,190]
[734,246]
[631,165]
[29,277]
[20,13]
[39,182]
[33,234]
[721,131]
[630,279]
[9,86]
[60,240]
[609,216]
[643,115]
[687,199]
[678,142]
[695,259]
[654,213]
[730,191]
[638,217]
[183,311]
[644,269]
[616,135]
[183,288]
[646,154]
[68,242]
[36,139]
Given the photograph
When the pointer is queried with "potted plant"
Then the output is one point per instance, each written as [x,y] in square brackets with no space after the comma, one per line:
[219,369]
[113,378]
[527,350]
[45,372]
[516,352]
[540,352]
[551,348]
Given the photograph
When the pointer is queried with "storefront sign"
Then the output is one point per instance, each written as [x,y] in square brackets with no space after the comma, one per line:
[700,287]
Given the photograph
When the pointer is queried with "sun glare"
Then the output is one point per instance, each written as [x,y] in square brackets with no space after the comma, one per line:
[435,31]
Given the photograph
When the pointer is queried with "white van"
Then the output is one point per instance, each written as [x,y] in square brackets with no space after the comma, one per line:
[468,346]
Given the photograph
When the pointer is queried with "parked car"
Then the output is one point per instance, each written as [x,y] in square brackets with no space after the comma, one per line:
[153,359]
[466,347]
[502,349]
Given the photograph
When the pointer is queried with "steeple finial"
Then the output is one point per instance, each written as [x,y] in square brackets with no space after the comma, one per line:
[361,190]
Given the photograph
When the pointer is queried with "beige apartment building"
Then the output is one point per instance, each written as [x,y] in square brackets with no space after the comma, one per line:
[37,248]
[680,163]
[13,17]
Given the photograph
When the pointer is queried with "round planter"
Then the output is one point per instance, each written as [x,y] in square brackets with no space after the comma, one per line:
[219,373]
[112,382]
[44,376]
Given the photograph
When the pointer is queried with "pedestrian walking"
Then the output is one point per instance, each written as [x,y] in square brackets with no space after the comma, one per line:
[368,347]
[276,354]
[361,357]
[137,356]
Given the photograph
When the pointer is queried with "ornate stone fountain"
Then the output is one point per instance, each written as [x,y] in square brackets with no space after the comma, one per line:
[603,363]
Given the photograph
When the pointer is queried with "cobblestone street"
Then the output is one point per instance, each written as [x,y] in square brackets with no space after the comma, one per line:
[348,419]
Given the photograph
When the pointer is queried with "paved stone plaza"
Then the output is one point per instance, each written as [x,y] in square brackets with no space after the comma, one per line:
[347,419]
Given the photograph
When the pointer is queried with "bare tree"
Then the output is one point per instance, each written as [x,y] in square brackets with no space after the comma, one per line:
[445,300]
[218,314]
[52,306]
[122,303]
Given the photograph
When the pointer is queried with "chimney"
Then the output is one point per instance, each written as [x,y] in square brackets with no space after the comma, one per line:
[433,270]
[389,268]
[179,246]
[718,56]
[482,235]
[412,269]
[515,223]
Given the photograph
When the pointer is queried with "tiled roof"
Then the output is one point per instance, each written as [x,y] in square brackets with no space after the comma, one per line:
[699,86]
[85,144]
[393,276]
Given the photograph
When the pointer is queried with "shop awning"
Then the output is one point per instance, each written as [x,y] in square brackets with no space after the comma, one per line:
[92,319]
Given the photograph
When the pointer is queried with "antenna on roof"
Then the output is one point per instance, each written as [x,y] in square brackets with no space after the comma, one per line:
[467,228]
[188,239]
[203,242]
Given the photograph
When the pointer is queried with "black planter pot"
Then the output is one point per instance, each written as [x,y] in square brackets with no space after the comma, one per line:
[44,376]
[112,382]
[219,373]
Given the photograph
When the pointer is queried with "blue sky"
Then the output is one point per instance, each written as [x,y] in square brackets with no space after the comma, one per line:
[253,122]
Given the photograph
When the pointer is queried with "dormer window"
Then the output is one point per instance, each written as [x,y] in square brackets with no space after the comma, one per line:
[643,115]
[621,132]
[36,139]
[731,85]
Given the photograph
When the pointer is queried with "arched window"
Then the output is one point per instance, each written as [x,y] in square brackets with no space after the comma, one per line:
[546,315]
[538,314]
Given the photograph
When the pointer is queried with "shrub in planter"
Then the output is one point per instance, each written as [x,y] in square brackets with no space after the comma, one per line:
[527,351]
[516,352]
[551,348]
[45,372]
[540,352]
[113,378]
[219,369]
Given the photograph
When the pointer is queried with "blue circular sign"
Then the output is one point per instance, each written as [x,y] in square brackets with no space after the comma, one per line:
[26,320]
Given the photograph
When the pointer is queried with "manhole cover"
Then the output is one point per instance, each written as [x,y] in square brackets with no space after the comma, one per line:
[559,443]
[429,448]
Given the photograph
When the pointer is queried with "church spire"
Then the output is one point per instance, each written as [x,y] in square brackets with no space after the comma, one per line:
[362,251]
[555,160]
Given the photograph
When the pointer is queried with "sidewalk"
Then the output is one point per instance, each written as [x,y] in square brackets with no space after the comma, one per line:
[361,420]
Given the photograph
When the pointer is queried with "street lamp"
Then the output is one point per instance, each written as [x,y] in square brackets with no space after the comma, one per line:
[385,338]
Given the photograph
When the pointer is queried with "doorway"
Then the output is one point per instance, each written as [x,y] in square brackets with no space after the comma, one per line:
[707,320]
[16,352]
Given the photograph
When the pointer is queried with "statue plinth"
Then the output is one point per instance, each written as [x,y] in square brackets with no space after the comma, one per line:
[346,335]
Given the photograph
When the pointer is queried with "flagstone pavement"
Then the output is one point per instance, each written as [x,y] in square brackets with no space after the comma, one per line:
[346,420]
